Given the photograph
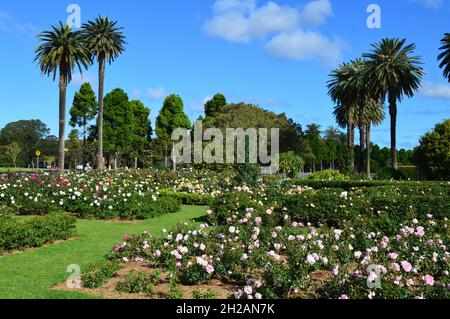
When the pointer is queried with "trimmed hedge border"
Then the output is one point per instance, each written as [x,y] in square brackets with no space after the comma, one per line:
[188,198]
[348,185]
[36,232]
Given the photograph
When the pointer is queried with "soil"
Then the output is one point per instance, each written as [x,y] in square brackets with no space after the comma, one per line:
[220,289]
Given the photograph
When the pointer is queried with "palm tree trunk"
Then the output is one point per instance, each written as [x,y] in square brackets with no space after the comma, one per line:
[393,114]
[62,120]
[368,149]
[101,81]
[351,143]
[362,145]
[84,143]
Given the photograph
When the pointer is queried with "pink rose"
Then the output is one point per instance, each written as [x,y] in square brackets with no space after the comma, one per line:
[420,231]
[393,256]
[406,266]
[429,280]
[209,269]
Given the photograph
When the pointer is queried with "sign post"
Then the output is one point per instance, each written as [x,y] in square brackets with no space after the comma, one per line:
[38,154]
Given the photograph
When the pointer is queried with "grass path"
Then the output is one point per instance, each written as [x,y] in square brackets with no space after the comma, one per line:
[30,274]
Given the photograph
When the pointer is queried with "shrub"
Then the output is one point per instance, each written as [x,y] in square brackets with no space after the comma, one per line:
[328,175]
[135,208]
[291,164]
[321,207]
[98,274]
[36,232]
[412,173]
[388,173]
[204,295]
[40,207]
[137,282]
[246,174]
[228,203]
[189,198]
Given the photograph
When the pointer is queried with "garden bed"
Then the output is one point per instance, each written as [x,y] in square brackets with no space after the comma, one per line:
[161,290]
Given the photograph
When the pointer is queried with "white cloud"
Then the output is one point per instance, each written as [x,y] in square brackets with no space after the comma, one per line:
[281,26]
[242,21]
[316,12]
[305,45]
[240,5]
[156,93]
[434,4]
[436,91]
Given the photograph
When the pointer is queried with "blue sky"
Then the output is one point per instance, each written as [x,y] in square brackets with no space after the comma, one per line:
[276,54]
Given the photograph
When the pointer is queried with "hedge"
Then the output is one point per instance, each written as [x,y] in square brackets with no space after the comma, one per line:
[386,207]
[20,234]
[189,198]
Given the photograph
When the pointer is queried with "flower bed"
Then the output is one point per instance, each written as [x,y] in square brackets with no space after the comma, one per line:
[290,241]
[127,195]
[294,260]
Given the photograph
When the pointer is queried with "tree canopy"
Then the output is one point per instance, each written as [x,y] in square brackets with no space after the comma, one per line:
[171,117]
[433,154]
[215,105]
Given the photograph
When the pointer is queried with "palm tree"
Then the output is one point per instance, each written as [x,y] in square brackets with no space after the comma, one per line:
[313,130]
[105,42]
[332,133]
[373,114]
[341,92]
[445,55]
[392,72]
[61,50]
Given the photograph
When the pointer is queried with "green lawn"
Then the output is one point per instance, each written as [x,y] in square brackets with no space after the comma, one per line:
[30,274]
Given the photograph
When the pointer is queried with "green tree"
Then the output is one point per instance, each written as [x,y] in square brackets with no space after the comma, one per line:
[48,146]
[118,125]
[105,42]
[306,152]
[12,152]
[171,116]
[142,129]
[291,164]
[215,105]
[75,149]
[433,153]
[313,134]
[83,110]
[392,72]
[445,55]
[61,50]
[247,116]
[28,134]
